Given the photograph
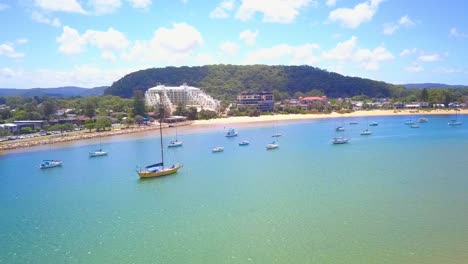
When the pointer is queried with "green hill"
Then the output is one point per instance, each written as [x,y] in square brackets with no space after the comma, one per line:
[226,81]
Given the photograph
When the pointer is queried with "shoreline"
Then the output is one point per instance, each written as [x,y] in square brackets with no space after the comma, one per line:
[204,125]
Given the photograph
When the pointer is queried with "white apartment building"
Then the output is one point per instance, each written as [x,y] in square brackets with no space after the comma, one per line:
[188,96]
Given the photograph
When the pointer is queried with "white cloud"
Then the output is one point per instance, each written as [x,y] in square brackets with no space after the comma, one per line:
[348,51]
[370,59]
[168,45]
[221,11]
[6,73]
[108,56]
[71,6]
[39,17]
[22,41]
[343,50]
[8,50]
[456,34]
[353,17]
[414,68]
[3,6]
[205,59]
[451,70]
[279,11]
[106,40]
[284,54]
[430,57]
[331,2]
[140,3]
[407,52]
[249,37]
[82,75]
[105,6]
[406,21]
[391,28]
[229,48]
[70,41]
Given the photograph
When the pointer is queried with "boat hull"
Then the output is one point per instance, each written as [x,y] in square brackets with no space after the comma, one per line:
[174,145]
[164,172]
[97,154]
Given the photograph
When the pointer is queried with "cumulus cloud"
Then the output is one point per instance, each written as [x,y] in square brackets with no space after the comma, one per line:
[414,68]
[22,41]
[343,50]
[348,51]
[284,54]
[70,6]
[249,37]
[430,57]
[168,45]
[140,3]
[39,17]
[222,10]
[457,34]
[229,48]
[407,52]
[353,17]
[105,6]
[81,75]
[331,2]
[274,11]
[391,28]
[71,42]
[8,50]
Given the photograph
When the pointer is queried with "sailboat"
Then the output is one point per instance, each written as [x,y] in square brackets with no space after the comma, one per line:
[272,145]
[455,121]
[231,133]
[175,143]
[276,134]
[366,131]
[49,163]
[98,152]
[158,169]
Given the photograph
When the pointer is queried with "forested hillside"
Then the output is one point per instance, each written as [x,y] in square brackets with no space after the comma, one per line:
[226,81]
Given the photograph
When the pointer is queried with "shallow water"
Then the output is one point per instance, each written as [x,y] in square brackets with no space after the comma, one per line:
[397,196]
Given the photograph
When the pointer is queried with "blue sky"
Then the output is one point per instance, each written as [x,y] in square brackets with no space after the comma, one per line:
[88,43]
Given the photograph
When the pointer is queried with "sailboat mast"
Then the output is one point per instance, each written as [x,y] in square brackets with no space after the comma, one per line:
[160,135]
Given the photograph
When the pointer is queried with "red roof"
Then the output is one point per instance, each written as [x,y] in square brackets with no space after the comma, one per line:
[314,98]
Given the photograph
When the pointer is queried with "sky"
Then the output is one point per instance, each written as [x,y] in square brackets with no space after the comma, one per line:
[89,43]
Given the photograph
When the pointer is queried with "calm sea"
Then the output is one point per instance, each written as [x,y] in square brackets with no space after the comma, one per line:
[397,196]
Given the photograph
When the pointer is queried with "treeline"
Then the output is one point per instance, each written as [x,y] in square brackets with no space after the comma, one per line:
[225,82]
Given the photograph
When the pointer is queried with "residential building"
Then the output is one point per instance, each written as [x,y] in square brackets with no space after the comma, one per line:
[263,101]
[187,96]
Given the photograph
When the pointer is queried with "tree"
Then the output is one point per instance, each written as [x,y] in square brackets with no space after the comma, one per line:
[192,113]
[89,124]
[90,109]
[129,121]
[103,123]
[424,95]
[139,103]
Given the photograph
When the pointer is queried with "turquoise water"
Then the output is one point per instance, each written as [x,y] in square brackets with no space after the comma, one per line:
[397,196]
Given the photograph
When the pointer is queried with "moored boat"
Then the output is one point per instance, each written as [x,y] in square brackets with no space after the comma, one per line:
[340,140]
[97,153]
[158,169]
[422,120]
[45,164]
[366,132]
[272,145]
[217,149]
[373,124]
[244,143]
[231,133]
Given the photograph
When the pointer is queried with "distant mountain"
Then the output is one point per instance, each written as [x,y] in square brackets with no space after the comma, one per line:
[227,81]
[431,85]
[69,91]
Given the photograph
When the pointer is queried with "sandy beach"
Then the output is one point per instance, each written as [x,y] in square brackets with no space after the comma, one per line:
[204,125]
